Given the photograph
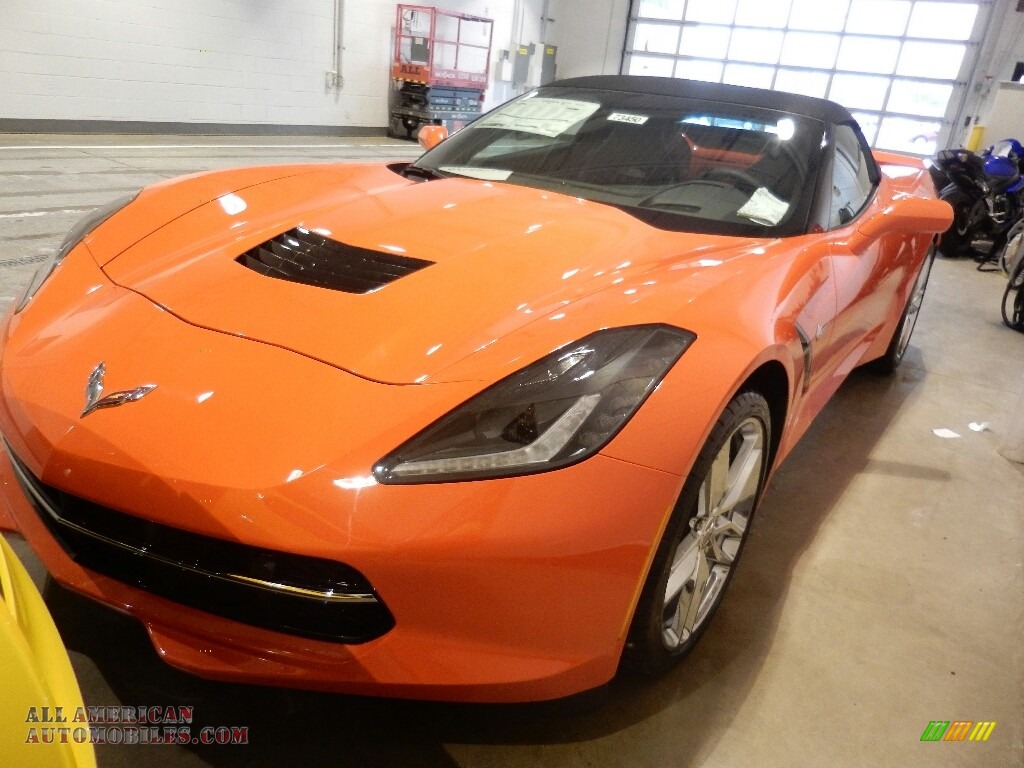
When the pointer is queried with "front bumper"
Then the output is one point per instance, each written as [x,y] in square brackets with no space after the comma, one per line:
[515,610]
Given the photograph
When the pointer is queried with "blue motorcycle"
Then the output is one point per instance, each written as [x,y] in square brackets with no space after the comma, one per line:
[986,192]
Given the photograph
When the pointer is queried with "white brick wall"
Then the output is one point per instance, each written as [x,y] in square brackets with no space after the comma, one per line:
[225,61]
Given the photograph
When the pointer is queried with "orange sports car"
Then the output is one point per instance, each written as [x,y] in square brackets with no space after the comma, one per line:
[480,427]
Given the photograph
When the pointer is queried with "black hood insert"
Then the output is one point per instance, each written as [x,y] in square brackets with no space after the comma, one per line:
[302,256]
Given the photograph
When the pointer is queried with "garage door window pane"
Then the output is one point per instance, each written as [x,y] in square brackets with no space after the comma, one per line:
[755,45]
[711,11]
[802,81]
[892,60]
[818,15]
[868,125]
[711,71]
[744,74]
[944,21]
[807,49]
[868,54]
[763,13]
[940,60]
[903,135]
[661,9]
[917,98]
[647,65]
[859,91]
[878,17]
[704,41]
[656,38]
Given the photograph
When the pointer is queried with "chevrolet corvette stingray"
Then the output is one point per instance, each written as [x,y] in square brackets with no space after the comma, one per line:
[485,426]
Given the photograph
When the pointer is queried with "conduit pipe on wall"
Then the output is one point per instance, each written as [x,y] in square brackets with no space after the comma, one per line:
[336,79]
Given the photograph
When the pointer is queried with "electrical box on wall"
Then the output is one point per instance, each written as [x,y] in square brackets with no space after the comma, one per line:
[521,65]
[548,65]
[503,67]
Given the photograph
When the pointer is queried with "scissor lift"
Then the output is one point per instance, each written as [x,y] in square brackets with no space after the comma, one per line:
[439,70]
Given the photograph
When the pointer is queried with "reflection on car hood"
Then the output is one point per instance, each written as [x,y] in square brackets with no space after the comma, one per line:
[501,257]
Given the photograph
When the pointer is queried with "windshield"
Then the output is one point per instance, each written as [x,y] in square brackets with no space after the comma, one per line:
[677,163]
[1008,148]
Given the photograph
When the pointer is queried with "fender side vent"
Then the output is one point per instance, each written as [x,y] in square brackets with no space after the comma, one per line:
[305,257]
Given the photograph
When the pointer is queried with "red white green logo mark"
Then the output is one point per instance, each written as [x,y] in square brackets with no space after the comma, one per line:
[958,730]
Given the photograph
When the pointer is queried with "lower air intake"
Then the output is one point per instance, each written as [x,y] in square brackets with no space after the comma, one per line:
[282,591]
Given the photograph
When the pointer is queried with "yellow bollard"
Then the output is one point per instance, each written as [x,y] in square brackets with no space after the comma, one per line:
[976,136]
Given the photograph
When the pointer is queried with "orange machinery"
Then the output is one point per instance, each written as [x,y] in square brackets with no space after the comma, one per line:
[439,69]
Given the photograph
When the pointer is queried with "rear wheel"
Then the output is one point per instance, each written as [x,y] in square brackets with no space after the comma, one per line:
[957,239]
[702,543]
[890,361]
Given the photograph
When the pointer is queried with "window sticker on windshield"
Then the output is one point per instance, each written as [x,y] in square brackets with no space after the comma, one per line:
[547,117]
[622,117]
[764,208]
[474,172]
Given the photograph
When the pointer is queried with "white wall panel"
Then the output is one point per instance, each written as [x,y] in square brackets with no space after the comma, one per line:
[590,36]
[224,61]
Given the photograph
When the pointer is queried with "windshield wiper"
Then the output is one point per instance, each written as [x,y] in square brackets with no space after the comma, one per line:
[429,174]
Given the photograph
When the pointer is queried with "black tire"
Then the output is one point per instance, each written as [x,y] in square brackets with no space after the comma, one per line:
[648,650]
[890,361]
[957,239]
[1009,248]
[1012,307]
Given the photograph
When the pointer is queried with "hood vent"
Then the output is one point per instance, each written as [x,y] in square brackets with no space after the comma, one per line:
[305,257]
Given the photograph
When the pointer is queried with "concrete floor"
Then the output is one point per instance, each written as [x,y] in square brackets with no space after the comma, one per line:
[882,587]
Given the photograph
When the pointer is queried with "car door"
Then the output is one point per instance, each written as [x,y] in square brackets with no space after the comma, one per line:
[808,305]
[861,279]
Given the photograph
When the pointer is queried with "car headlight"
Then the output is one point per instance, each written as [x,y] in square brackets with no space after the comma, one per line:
[557,411]
[85,225]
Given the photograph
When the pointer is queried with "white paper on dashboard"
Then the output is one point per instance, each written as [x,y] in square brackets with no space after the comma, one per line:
[484,174]
[546,117]
[764,208]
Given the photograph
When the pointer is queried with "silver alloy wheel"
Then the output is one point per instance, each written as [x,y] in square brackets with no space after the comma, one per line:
[913,307]
[704,557]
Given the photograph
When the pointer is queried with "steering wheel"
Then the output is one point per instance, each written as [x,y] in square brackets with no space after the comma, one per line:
[739,179]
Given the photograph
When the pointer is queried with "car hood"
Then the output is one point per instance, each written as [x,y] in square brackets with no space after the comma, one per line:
[500,257]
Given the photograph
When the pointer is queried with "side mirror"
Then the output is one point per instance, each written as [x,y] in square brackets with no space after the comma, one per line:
[905,214]
[431,135]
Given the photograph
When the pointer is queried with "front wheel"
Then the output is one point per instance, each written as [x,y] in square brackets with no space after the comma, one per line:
[957,239]
[1013,251]
[704,538]
[1013,297]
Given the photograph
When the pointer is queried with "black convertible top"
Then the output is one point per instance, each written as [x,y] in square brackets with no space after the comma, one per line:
[809,106]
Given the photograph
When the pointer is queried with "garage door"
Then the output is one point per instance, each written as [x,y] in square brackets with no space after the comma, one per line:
[901,66]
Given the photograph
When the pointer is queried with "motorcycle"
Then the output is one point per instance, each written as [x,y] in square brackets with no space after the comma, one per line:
[985,191]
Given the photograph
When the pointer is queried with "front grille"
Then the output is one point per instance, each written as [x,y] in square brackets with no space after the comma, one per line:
[305,257]
[306,596]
